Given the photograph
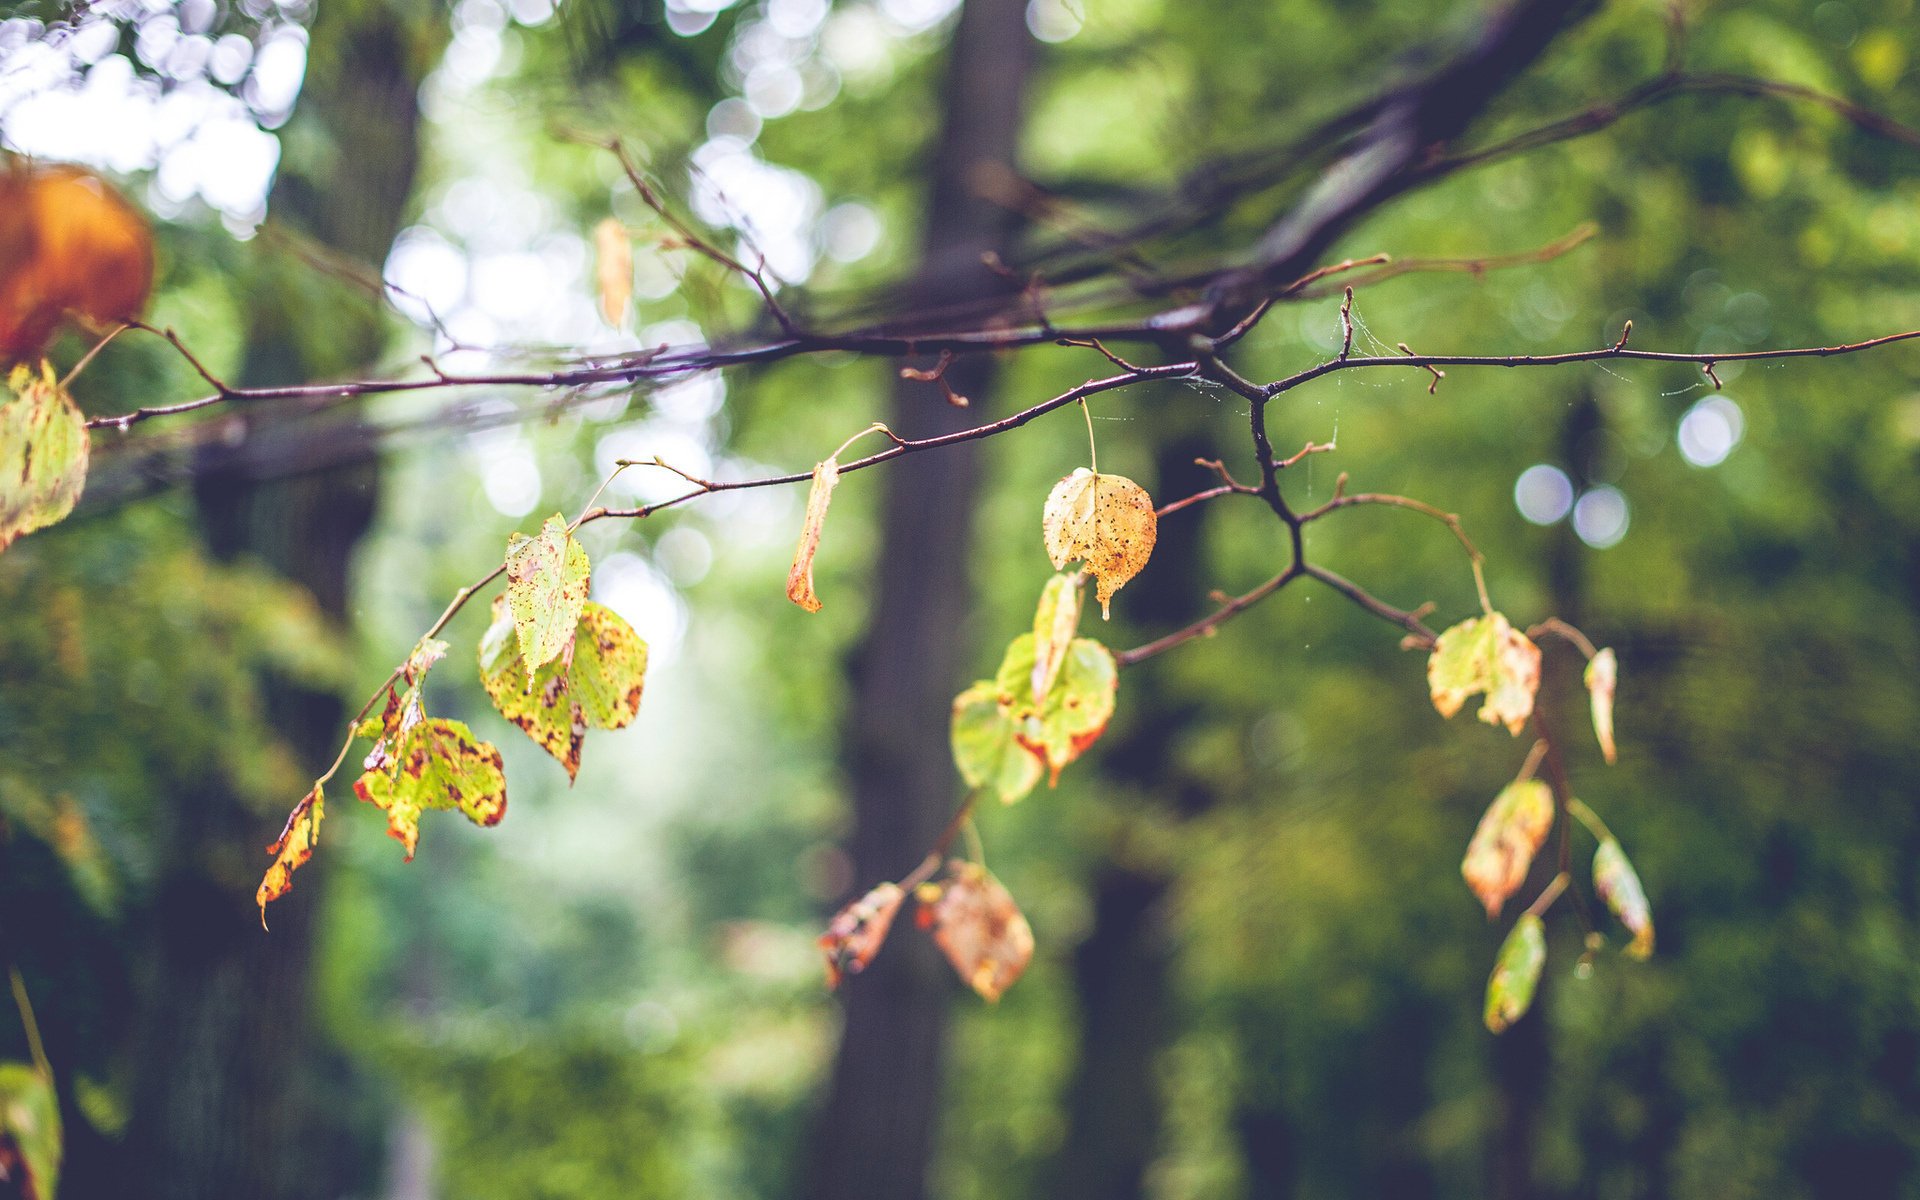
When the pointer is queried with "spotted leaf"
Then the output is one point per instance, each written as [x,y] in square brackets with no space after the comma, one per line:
[436,764]
[1105,521]
[43,453]
[977,926]
[1486,655]
[547,577]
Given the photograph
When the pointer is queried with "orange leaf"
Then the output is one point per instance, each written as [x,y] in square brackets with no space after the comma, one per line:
[857,932]
[70,246]
[1510,834]
[978,927]
[800,578]
[292,850]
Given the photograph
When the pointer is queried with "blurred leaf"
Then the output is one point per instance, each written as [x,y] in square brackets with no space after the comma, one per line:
[1486,654]
[598,683]
[43,453]
[1509,835]
[1516,973]
[800,578]
[1002,739]
[59,823]
[1616,882]
[857,931]
[986,745]
[293,848]
[1105,521]
[69,246]
[977,926]
[436,764]
[1601,677]
[613,269]
[29,1132]
[1054,623]
[547,578]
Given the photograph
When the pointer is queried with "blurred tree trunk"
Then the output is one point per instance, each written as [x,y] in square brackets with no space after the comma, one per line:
[876,1134]
[1122,971]
[228,1085]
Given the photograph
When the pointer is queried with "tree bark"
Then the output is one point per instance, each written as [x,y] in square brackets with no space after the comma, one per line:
[230,1087]
[877,1132]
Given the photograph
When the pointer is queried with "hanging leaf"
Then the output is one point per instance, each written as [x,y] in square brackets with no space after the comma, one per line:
[292,850]
[598,684]
[1616,882]
[800,579]
[547,577]
[1603,672]
[977,926]
[857,932]
[1510,834]
[1105,521]
[1054,623]
[436,764]
[1486,654]
[30,1143]
[43,453]
[1003,740]
[70,246]
[613,269]
[1516,973]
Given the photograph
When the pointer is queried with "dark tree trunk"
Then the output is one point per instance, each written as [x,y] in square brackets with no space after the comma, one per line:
[877,1132]
[229,1087]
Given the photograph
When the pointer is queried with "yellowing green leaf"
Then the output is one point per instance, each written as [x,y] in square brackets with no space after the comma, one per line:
[30,1145]
[598,683]
[547,578]
[857,932]
[1486,654]
[1105,521]
[1003,740]
[1603,673]
[1516,973]
[1054,623]
[986,745]
[1510,834]
[436,764]
[1616,882]
[293,849]
[43,453]
[613,269]
[977,926]
[800,578]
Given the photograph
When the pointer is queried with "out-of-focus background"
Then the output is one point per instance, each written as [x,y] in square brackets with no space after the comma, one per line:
[1258,971]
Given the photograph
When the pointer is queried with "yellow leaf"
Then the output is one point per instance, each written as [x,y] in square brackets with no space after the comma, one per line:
[800,578]
[1054,622]
[613,270]
[1485,654]
[1105,521]
[1510,834]
[1603,673]
[292,850]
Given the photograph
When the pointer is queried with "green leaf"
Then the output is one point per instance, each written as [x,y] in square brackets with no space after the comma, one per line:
[1509,835]
[29,1132]
[436,764]
[1616,882]
[547,577]
[1055,620]
[43,453]
[1486,654]
[986,747]
[1516,973]
[598,684]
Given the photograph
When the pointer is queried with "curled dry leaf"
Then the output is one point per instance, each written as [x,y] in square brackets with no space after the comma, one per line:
[977,926]
[1054,623]
[436,764]
[800,579]
[1603,673]
[1510,834]
[1105,521]
[30,1142]
[613,269]
[598,683]
[547,578]
[292,850]
[857,932]
[1486,654]
[1516,973]
[43,453]
[70,246]
[1618,884]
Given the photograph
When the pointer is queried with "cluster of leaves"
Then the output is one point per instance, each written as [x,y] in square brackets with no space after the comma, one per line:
[553,662]
[1487,656]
